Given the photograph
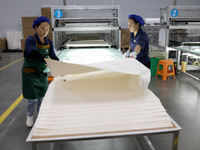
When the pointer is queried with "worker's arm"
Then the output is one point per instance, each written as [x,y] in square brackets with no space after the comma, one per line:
[136,51]
[129,48]
[52,52]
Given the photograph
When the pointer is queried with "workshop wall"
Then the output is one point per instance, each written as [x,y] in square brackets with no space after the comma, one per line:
[11,11]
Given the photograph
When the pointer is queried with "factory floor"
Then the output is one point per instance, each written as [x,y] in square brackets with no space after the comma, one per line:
[180,97]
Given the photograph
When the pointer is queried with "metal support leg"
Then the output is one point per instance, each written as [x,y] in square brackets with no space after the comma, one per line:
[145,143]
[175,140]
[51,146]
[178,61]
[149,143]
[34,146]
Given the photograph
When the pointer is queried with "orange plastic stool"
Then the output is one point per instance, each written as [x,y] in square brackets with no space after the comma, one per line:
[165,72]
[50,78]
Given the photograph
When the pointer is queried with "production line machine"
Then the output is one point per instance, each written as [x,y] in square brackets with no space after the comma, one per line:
[86,34]
[189,59]
[180,34]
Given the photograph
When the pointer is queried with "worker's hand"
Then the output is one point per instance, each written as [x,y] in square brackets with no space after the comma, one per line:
[126,55]
[133,55]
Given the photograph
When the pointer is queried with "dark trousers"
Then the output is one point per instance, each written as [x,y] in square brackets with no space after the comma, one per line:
[148,65]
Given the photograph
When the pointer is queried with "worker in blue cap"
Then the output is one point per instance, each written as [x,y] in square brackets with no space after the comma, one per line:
[139,43]
[34,80]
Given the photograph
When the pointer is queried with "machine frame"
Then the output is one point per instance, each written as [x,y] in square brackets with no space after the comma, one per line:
[174,131]
[77,20]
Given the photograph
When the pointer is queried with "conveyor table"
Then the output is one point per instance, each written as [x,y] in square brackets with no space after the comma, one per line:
[174,130]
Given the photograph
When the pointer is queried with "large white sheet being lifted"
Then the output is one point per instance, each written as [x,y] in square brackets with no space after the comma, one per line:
[106,97]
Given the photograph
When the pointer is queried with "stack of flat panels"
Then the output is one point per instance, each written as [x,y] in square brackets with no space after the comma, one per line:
[100,98]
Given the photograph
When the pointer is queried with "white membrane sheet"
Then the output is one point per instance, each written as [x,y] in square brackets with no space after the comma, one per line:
[83,43]
[106,97]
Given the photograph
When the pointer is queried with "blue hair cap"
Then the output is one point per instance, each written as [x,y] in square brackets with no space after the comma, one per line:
[137,18]
[40,20]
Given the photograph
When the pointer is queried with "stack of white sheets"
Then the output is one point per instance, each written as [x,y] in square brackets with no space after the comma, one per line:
[106,97]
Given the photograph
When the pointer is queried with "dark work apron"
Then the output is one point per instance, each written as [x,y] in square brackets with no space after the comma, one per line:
[34,81]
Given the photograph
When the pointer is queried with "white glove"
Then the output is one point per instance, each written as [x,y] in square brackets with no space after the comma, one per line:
[133,55]
[126,54]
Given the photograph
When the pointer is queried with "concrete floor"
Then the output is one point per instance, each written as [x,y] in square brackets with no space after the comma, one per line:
[180,97]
